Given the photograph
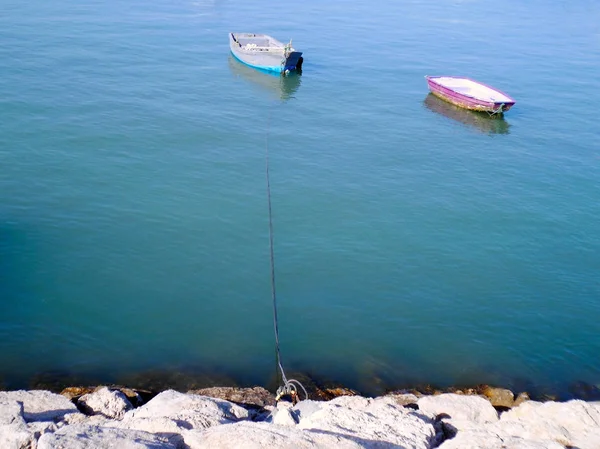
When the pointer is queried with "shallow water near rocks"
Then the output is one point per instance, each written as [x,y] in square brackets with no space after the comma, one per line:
[414,242]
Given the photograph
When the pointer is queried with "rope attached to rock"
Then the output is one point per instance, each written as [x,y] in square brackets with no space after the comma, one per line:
[290,386]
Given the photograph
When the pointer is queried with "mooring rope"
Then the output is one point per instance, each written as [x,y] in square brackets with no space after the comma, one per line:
[497,111]
[289,386]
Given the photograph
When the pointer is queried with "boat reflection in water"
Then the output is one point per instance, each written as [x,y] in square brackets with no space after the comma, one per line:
[281,86]
[480,120]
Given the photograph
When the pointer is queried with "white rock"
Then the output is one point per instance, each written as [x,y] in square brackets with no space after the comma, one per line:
[260,435]
[40,405]
[367,421]
[573,423]
[459,407]
[37,429]
[590,440]
[112,404]
[171,410]
[304,409]
[20,435]
[534,425]
[11,412]
[80,418]
[169,429]
[16,436]
[283,417]
[93,437]
[481,439]
[158,425]
[346,422]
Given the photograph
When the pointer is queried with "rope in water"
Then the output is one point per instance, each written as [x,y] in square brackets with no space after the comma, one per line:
[289,386]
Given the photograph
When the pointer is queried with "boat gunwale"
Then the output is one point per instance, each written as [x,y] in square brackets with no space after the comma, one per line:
[278,45]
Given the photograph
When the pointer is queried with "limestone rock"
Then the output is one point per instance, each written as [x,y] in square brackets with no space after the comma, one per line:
[112,404]
[40,405]
[80,418]
[304,409]
[372,420]
[283,415]
[92,437]
[157,425]
[346,422]
[481,439]
[11,412]
[37,429]
[252,435]
[459,407]
[170,411]
[16,436]
[256,396]
[19,435]
[136,397]
[499,397]
[283,418]
[574,423]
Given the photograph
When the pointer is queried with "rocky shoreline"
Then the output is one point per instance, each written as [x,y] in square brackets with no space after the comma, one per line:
[118,417]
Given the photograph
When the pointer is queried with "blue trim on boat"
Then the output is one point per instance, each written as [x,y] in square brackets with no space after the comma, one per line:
[277,69]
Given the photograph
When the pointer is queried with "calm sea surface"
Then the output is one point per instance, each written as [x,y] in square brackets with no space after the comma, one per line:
[414,242]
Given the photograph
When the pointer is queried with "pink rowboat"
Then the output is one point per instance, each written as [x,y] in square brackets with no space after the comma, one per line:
[469,94]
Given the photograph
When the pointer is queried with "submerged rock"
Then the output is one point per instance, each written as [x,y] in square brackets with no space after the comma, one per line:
[499,397]
[74,393]
[585,391]
[177,379]
[522,397]
[327,394]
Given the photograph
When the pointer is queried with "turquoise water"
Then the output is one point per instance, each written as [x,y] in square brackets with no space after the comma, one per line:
[414,242]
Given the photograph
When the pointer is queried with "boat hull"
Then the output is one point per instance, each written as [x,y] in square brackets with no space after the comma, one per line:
[280,87]
[277,59]
[466,101]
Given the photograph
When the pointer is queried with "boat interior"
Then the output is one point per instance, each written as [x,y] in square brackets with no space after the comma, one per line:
[471,88]
[247,40]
